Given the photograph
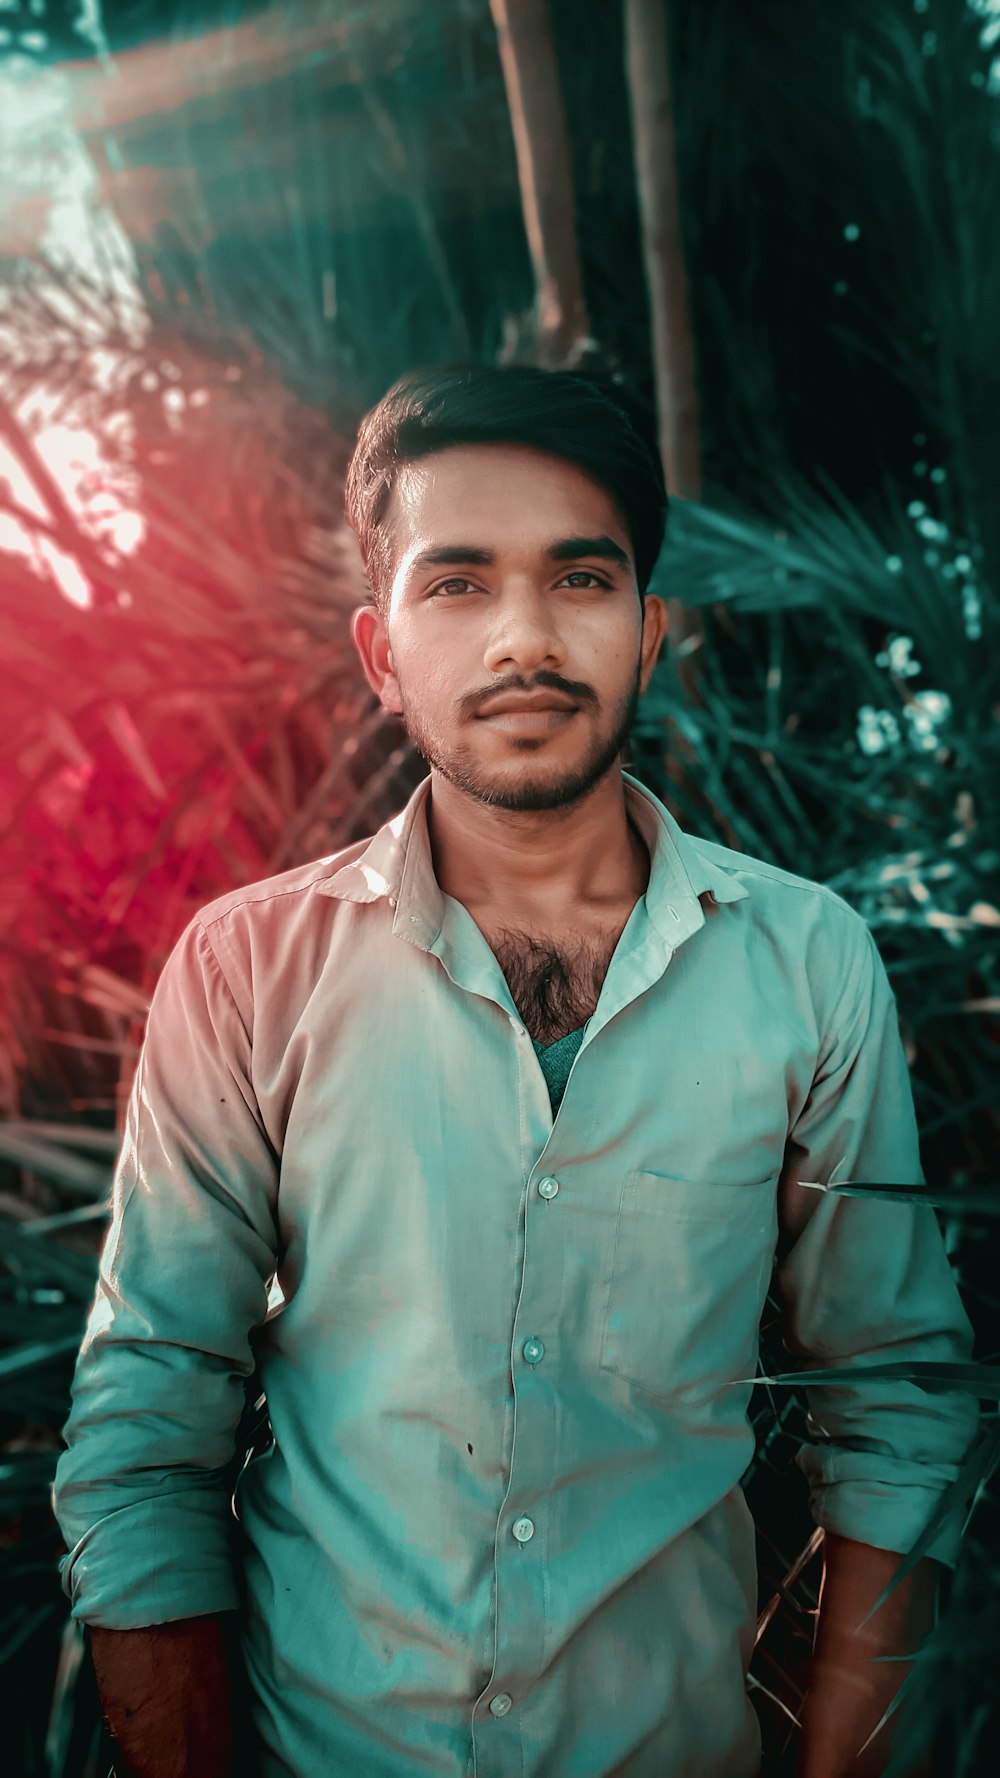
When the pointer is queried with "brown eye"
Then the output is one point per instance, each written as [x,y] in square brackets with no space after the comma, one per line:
[456,582]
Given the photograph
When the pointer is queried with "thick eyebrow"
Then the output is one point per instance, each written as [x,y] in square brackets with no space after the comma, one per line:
[565,549]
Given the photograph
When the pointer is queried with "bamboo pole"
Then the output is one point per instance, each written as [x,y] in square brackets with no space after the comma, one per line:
[648,74]
[541,144]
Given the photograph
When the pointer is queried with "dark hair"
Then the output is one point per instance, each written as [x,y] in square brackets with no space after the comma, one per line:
[560,412]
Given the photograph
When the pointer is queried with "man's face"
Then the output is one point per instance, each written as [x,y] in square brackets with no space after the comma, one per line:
[505,614]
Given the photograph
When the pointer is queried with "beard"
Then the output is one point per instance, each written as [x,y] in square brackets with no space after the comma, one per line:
[533,776]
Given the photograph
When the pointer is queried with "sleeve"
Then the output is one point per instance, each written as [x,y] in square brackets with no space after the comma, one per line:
[864,1281]
[158,1389]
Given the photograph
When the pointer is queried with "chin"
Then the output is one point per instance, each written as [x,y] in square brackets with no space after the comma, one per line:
[527,784]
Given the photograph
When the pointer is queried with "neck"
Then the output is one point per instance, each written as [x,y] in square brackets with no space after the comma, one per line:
[586,856]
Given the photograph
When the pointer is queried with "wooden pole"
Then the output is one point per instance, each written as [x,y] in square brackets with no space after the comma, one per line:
[541,144]
[648,75]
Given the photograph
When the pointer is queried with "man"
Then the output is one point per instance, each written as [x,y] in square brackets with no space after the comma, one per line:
[514,1102]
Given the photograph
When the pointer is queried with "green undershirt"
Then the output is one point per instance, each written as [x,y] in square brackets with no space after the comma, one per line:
[557,1060]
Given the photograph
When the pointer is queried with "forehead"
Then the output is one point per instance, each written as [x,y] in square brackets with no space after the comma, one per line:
[499,495]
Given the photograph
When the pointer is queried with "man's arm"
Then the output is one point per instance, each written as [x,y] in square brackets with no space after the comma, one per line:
[167,1692]
[142,1492]
[849,1691]
[864,1279]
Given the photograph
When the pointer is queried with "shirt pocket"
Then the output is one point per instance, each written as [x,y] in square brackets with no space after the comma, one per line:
[692,1261]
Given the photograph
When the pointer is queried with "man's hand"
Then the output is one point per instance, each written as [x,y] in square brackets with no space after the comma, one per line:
[848,1692]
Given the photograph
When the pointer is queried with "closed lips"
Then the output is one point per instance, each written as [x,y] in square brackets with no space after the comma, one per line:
[527,708]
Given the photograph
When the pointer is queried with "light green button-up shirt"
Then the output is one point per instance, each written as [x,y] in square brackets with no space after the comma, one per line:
[499,1530]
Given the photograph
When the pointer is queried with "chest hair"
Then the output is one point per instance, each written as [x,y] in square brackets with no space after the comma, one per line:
[555,985]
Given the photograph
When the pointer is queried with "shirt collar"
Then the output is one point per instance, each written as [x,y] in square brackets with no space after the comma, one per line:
[396,866]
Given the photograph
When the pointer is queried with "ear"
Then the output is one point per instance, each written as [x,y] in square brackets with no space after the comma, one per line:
[655,623]
[370,638]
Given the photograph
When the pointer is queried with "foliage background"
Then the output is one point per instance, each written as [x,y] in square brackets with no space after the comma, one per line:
[292,205]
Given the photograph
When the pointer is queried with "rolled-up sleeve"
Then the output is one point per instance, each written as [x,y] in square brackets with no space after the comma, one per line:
[864,1281]
[159,1384]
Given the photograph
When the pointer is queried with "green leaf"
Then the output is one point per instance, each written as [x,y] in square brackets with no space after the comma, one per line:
[51,1162]
[985,1197]
[980,1379]
[34,1356]
[40,1261]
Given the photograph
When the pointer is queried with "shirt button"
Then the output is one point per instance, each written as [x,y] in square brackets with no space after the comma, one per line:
[500,1705]
[523,1529]
[547,1188]
[533,1350]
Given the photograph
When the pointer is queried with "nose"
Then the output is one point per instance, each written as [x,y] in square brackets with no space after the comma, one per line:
[524,634]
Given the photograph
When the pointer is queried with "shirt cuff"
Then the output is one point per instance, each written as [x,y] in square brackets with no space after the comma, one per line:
[855,1495]
[153,1562]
